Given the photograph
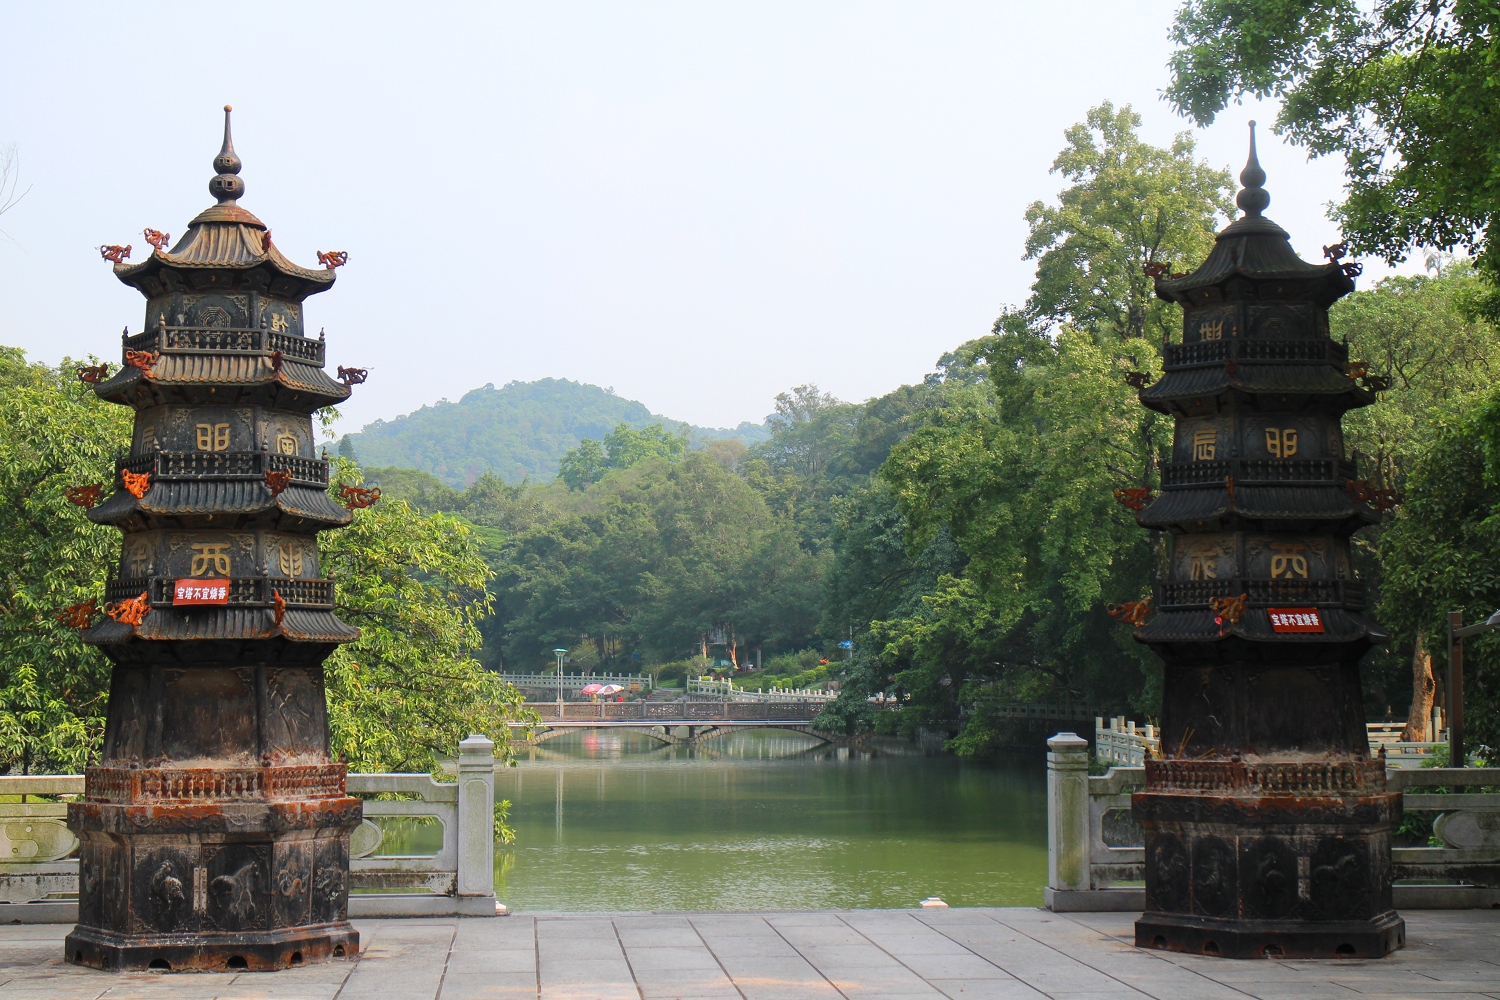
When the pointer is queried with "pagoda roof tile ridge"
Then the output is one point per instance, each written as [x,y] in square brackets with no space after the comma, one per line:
[217,239]
[1258,249]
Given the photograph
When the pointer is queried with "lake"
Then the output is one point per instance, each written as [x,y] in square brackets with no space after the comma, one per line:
[766,820]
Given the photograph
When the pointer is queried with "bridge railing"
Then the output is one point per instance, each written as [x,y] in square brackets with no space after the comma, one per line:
[1094,844]
[573,683]
[39,854]
[727,690]
[677,712]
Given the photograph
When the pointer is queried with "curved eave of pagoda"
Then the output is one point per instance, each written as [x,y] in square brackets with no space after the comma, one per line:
[234,624]
[173,501]
[1175,392]
[188,377]
[229,239]
[1197,626]
[1313,508]
[1257,251]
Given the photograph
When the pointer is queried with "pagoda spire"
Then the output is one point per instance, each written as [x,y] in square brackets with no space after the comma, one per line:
[1253,198]
[226,184]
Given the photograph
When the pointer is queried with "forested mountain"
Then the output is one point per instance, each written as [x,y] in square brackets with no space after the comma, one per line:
[520,431]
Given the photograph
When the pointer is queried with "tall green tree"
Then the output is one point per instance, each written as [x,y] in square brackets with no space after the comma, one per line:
[1129,204]
[621,448]
[410,688]
[55,434]
[1403,90]
[656,555]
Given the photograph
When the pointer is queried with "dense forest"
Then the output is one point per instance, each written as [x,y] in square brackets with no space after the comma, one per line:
[517,432]
[954,544]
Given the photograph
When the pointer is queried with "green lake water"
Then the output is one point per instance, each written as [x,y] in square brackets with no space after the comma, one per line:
[766,820]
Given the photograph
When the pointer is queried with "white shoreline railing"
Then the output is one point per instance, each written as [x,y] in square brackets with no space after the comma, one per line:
[39,854]
[573,683]
[1120,741]
[725,689]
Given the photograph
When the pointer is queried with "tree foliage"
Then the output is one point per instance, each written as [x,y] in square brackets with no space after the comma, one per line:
[621,448]
[1402,89]
[54,434]
[1129,204]
[410,688]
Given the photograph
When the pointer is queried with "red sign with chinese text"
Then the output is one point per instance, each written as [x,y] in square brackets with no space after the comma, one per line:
[1295,619]
[200,592]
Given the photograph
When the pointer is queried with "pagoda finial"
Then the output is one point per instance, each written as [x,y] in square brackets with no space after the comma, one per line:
[1253,198]
[226,185]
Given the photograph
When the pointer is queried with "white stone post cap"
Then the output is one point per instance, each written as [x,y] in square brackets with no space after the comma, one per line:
[477,744]
[1067,743]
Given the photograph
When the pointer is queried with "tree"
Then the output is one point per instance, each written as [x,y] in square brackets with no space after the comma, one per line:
[55,435]
[1420,332]
[621,448]
[1130,204]
[655,555]
[410,688]
[1441,552]
[1403,90]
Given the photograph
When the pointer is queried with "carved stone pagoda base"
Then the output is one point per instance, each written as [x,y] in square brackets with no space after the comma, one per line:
[203,951]
[1256,859]
[213,868]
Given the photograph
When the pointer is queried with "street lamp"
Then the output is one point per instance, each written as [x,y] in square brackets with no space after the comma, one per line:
[1457,632]
[560,654]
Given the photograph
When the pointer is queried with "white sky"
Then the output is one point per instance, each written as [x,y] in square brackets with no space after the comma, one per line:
[699,204]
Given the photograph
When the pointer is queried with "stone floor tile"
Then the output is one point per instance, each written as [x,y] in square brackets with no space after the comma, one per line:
[55,990]
[680,935]
[482,960]
[488,986]
[986,989]
[685,982]
[587,991]
[758,946]
[801,935]
[946,966]
[864,955]
[698,959]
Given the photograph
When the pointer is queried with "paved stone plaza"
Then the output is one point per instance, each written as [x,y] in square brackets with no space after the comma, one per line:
[978,954]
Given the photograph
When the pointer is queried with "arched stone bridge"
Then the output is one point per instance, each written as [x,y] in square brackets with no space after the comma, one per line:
[673,721]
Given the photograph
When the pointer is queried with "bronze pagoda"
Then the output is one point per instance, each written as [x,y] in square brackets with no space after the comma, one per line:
[214,830]
[1267,824]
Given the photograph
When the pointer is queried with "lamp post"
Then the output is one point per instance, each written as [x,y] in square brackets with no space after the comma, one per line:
[1457,633]
[560,654]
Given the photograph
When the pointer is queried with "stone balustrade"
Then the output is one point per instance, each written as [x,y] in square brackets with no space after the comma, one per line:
[39,861]
[1096,858]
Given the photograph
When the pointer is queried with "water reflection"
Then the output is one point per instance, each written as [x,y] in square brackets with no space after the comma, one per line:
[610,820]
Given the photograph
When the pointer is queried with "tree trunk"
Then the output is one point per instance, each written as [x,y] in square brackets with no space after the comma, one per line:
[1423,692]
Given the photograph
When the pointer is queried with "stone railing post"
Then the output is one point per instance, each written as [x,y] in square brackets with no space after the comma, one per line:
[1067,813]
[476,826]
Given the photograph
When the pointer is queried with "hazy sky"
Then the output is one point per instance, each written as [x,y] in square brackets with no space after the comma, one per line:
[699,204]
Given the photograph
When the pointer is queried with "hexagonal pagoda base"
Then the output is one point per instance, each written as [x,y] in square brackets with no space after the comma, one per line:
[1222,938]
[1259,859]
[196,951]
[213,868]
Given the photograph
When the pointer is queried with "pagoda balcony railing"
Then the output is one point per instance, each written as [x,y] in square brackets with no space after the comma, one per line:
[226,340]
[1262,592]
[172,465]
[244,591]
[1216,352]
[1255,472]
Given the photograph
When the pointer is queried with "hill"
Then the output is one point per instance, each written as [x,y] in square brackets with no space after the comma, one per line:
[517,432]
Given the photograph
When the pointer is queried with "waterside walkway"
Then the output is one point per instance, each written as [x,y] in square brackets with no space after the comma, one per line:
[960,954]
